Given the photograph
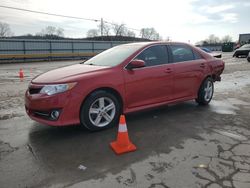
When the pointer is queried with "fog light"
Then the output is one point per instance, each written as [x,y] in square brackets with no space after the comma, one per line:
[54,114]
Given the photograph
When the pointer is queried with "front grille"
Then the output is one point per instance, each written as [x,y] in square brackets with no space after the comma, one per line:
[34,90]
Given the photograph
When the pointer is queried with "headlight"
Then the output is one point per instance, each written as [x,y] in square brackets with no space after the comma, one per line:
[58,88]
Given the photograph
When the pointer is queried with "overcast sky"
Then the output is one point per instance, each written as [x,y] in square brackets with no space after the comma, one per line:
[181,20]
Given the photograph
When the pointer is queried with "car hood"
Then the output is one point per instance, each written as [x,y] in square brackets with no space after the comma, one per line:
[66,74]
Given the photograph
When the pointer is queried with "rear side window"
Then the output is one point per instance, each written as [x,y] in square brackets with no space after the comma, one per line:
[197,55]
[181,53]
[155,55]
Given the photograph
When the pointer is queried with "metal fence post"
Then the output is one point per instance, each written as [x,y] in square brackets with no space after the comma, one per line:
[24,50]
[93,48]
[50,50]
[24,47]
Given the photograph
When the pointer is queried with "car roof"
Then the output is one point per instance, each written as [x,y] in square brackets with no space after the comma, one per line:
[144,44]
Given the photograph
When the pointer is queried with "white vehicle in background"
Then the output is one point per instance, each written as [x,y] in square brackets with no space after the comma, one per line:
[214,54]
[243,51]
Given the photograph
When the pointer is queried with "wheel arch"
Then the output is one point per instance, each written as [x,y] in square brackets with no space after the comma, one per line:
[207,76]
[200,99]
[110,90]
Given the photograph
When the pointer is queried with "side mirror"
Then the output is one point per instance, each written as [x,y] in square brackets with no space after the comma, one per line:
[137,63]
[217,55]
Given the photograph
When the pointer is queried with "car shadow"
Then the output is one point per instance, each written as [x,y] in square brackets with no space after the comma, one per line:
[60,151]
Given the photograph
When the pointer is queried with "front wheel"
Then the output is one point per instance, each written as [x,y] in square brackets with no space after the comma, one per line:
[101,110]
[206,91]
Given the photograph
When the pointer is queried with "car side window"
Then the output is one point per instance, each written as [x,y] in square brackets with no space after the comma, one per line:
[155,55]
[197,55]
[181,53]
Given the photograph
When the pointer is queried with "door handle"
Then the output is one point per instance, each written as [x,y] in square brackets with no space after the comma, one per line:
[168,70]
[202,65]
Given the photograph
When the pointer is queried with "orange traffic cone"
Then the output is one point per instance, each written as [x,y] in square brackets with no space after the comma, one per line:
[122,144]
[21,74]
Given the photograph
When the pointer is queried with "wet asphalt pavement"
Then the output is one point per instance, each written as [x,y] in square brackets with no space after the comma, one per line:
[179,146]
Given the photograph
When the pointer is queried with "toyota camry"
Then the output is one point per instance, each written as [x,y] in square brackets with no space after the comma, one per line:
[121,80]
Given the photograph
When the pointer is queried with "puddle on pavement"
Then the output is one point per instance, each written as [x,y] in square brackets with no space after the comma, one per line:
[229,106]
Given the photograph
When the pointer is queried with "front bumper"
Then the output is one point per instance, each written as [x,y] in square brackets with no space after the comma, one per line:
[39,107]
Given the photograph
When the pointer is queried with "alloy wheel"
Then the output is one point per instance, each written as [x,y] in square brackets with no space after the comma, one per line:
[102,111]
[208,91]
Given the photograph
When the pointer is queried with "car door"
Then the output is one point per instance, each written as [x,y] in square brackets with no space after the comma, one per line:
[150,84]
[189,70]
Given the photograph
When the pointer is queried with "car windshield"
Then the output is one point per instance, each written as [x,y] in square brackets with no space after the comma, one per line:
[114,56]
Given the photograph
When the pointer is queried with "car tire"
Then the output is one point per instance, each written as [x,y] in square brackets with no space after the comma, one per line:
[205,93]
[101,110]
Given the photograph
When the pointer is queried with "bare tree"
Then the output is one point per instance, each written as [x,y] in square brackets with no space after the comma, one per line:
[212,39]
[130,33]
[5,30]
[60,32]
[105,29]
[51,31]
[92,33]
[150,33]
[227,38]
[120,29]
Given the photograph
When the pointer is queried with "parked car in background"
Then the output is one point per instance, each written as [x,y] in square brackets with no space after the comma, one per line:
[248,57]
[242,51]
[214,54]
[121,80]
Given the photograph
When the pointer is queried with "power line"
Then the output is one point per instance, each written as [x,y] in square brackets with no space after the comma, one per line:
[50,14]
[61,15]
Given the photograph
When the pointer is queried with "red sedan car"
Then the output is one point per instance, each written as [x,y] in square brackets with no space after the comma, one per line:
[122,79]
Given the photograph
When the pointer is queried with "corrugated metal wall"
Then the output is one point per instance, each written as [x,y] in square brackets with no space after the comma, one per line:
[244,38]
[31,49]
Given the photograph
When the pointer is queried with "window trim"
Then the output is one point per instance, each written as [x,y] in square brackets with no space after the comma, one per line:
[198,54]
[167,51]
[185,45]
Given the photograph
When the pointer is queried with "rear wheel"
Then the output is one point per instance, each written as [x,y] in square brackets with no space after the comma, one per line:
[101,110]
[206,91]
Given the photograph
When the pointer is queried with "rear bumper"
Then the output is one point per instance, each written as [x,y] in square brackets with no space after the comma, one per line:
[217,78]
[218,69]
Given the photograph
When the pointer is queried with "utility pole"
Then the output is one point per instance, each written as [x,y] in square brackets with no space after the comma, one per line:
[142,33]
[101,26]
